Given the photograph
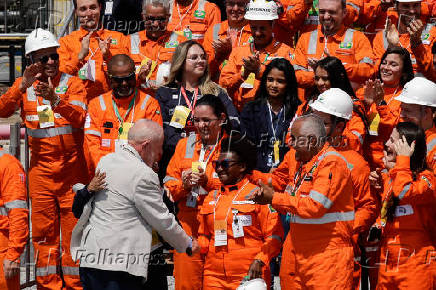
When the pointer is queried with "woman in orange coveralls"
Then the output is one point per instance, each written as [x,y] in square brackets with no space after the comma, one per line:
[407,254]
[190,177]
[237,237]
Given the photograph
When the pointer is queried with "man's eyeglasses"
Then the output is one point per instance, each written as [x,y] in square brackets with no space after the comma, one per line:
[120,80]
[205,120]
[44,59]
[224,164]
[150,19]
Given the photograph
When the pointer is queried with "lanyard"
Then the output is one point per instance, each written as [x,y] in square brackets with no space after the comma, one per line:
[278,119]
[228,210]
[252,51]
[194,97]
[240,35]
[181,17]
[132,102]
[203,152]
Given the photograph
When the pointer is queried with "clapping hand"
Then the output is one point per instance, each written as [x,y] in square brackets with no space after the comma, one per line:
[264,194]
[373,92]
[30,75]
[104,45]
[223,48]
[392,34]
[251,64]
[46,90]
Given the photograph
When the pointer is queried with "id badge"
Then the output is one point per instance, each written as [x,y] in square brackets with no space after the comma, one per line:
[374,121]
[187,33]
[180,116]
[45,116]
[163,71]
[249,82]
[276,152]
[125,130]
[191,201]
[237,228]
[220,229]
[91,70]
[196,165]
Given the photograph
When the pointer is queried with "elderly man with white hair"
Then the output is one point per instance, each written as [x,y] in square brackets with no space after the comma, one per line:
[112,240]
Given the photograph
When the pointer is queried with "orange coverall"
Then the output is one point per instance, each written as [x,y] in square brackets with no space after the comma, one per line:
[69,49]
[14,229]
[102,125]
[422,51]
[188,151]
[231,78]
[382,119]
[159,51]
[349,45]
[225,266]
[221,31]
[193,20]
[322,217]
[407,253]
[56,164]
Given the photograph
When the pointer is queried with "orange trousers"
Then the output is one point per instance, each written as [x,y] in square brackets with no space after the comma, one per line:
[188,271]
[52,197]
[14,282]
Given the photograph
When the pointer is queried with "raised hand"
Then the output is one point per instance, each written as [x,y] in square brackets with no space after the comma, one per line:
[30,75]
[84,50]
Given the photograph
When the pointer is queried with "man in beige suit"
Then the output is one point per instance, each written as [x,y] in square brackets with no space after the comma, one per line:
[113,236]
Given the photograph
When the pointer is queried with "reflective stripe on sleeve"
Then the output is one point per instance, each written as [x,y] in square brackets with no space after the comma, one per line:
[299,67]
[404,191]
[102,104]
[71,271]
[354,6]
[79,103]
[275,237]
[358,136]
[431,145]
[366,60]
[147,97]
[349,165]
[50,132]
[321,198]
[331,217]
[169,178]
[93,132]
[45,271]
[16,204]
[134,43]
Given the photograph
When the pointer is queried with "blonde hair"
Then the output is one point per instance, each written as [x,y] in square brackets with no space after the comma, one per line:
[206,86]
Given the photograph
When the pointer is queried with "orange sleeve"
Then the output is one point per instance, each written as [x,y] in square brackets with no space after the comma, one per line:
[364,202]
[173,179]
[73,105]
[213,14]
[207,44]
[93,136]
[329,180]
[153,111]
[431,162]
[69,56]
[364,68]
[272,231]
[355,133]
[353,12]
[388,119]
[305,78]
[11,100]
[371,9]
[14,196]
[424,60]
[295,14]
[231,78]
[406,189]
[378,46]
[203,229]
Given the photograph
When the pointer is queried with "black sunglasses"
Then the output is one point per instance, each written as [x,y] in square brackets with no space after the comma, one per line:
[44,59]
[224,164]
[120,80]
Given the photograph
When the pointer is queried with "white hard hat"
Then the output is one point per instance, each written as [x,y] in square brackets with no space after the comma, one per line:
[261,10]
[403,1]
[335,102]
[39,39]
[255,284]
[419,91]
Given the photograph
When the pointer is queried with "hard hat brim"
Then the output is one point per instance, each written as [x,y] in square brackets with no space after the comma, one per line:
[326,110]
[260,18]
[408,100]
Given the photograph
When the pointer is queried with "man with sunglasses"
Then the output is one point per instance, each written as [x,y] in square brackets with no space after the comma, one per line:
[86,51]
[53,109]
[152,49]
[111,115]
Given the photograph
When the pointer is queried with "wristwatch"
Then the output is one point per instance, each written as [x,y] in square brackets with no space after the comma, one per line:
[382,103]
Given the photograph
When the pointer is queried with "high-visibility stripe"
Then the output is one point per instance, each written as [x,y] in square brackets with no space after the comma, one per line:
[404,191]
[431,145]
[169,178]
[358,136]
[32,118]
[216,30]
[290,7]
[134,43]
[385,41]
[50,132]
[201,5]
[331,217]
[354,6]
[147,97]
[79,103]
[64,80]
[313,41]
[3,211]
[189,153]
[349,35]
[366,60]
[31,96]
[173,37]
[299,67]
[71,271]
[44,271]
[102,104]
[251,191]
[215,194]
[349,165]
[275,237]
[2,152]
[321,198]
[93,132]
[16,204]
[197,36]
[171,10]
[233,118]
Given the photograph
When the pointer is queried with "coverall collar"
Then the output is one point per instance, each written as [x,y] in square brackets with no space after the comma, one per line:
[132,150]
[270,48]
[225,26]
[225,189]
[119,101]
[338,36]
[83,32]
[308,166]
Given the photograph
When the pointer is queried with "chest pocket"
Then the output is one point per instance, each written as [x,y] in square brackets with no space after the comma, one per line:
[246,213]
[198,29]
